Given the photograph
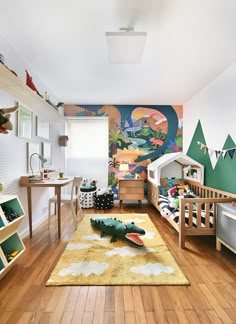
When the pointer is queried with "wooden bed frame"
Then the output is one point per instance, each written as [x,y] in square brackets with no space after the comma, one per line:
[210,195]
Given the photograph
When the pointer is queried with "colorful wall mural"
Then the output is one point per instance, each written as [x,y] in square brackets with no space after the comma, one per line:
[138,134]
[222,174]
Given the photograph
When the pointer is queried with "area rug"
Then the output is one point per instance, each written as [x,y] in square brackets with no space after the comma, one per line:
[90,259]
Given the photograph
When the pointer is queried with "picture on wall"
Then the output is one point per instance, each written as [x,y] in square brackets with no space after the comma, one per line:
[25,122]
[42,128]
[46,152]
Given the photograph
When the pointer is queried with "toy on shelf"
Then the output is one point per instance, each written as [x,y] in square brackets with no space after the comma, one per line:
[30,83]
[2,61]
[5,114]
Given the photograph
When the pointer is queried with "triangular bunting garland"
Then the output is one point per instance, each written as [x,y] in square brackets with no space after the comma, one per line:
[224,153]
[231,152]
[202,146]
[210,151]
[205,149]
[217,154]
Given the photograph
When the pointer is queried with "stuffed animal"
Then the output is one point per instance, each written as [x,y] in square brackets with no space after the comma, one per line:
[5,114]
[85,183]
[167,210]
[104,191]
[174,203]
[93,182]
[2,61]
[172,192]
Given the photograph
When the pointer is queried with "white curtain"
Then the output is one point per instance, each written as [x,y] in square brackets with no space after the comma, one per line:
[88,149]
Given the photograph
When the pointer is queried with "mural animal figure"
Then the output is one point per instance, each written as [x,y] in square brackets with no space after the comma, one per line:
[114,116]
[5,115]
[127,232]
[172,120]
[133,130]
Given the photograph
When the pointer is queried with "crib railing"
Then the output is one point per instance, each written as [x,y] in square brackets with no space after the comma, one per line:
[210,197]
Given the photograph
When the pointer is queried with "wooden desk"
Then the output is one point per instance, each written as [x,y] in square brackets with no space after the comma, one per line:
[55,183]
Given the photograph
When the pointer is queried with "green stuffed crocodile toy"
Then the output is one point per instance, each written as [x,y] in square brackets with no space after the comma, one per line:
[128,232]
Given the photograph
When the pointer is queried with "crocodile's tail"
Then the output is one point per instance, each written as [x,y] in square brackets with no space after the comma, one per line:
[96,221]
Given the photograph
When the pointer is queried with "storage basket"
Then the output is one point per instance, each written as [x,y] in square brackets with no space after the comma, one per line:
[87,197]
[105,201]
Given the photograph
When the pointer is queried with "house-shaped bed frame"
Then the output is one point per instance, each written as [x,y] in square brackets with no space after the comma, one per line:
[179,165]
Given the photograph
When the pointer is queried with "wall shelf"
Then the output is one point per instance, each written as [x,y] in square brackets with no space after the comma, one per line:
[26,96]
[11,245]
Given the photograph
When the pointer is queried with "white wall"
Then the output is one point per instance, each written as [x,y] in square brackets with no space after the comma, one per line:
[13,157]
[215,107]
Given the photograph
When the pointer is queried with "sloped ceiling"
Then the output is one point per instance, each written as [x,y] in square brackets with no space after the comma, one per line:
[189,43]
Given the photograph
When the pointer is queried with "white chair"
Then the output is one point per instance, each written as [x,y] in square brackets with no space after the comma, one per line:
[73,198]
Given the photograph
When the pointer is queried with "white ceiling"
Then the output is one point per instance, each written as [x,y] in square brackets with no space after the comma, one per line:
[189,43]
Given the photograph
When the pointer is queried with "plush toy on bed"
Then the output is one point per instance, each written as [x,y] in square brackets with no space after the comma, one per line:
[172,192]
[186,192]
[170,204]
[169,208]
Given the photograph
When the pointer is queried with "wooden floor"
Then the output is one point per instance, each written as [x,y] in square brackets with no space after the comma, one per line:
[210,298]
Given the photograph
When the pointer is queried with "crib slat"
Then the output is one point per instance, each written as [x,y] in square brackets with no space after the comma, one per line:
[199,218]
[190,220]
[207,218]
[214,215]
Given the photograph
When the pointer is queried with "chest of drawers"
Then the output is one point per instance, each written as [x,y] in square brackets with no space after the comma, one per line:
[131,189]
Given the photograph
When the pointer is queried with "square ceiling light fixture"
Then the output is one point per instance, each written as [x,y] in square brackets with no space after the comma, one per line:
[125,46]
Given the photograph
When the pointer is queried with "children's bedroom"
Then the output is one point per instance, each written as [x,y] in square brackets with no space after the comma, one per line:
[118,162]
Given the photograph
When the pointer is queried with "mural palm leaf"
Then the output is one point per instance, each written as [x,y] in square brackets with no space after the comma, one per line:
[115,140]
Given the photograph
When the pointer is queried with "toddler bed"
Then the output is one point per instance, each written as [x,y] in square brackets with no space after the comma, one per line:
[194,216]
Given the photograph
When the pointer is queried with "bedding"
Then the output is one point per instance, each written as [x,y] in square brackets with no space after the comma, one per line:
[164,202]
[171,182]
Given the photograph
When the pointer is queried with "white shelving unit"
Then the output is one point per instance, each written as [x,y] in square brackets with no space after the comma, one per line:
[26,96]
[11,245]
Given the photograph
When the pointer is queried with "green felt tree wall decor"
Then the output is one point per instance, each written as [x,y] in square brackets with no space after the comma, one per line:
[223,175]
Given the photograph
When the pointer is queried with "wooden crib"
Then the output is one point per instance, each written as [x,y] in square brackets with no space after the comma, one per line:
[210,196]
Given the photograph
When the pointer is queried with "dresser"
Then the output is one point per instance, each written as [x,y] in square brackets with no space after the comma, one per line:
[131,189]
[226,226]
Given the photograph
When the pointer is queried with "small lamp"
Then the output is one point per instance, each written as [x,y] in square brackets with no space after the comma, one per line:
[41,158]
[124,167]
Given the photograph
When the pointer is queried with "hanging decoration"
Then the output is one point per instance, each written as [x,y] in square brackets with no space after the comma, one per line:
[210,151]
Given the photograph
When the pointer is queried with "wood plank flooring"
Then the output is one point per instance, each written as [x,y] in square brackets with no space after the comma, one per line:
[210,298]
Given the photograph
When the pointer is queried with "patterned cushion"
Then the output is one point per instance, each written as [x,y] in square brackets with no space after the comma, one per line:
[163,190]
[171,182]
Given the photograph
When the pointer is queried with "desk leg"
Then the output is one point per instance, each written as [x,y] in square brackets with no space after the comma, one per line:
[76,202]
[29,199]
[58,192]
